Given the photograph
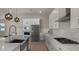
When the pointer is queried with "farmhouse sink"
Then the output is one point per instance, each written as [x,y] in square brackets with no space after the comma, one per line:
[16,41]
[23,43]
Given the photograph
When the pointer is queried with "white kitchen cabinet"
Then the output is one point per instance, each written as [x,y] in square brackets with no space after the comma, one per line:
[35,21]
[56,25]
[74,17]
[17,48]
[49,43]
[55,45]
[31,21]
[52,18]
[52,44]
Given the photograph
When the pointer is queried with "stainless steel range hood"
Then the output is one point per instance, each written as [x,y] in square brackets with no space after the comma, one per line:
[65,18]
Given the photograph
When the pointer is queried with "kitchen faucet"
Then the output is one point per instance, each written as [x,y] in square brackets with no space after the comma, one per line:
[10,30]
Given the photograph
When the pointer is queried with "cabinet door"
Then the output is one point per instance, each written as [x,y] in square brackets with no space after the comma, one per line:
[74,17]
[56,25]
[49,44]
[53,17]
[31,21]
[35,21]
[17,48]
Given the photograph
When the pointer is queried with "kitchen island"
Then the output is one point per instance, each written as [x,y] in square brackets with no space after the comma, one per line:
[6,45]
[9,46]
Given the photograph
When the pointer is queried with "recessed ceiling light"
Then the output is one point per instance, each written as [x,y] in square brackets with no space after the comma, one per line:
[40,11]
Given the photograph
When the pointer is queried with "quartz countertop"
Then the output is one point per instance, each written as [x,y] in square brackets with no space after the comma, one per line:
[67,47]
[70,47]
[64,47]
[6,46]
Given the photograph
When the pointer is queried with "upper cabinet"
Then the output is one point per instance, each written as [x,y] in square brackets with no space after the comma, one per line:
[52,18]
[69,15]
[31,21]
[74,17]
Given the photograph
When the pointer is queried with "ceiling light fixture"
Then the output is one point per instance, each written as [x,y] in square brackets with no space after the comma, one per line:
[40,11]
[16,19]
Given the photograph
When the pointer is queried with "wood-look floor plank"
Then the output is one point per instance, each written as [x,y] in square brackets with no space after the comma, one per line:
[38,46]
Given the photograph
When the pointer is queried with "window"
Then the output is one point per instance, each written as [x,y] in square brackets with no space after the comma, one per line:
[2,27]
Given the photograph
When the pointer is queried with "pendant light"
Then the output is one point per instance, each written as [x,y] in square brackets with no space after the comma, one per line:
[16,19]
[8,16]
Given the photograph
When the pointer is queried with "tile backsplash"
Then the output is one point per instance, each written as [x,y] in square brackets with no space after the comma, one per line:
[67,32]
[50,31]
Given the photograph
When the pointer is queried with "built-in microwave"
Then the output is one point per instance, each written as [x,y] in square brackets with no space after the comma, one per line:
[26,33]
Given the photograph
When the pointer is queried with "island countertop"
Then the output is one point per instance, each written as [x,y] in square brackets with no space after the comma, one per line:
[6,46]
[66,47]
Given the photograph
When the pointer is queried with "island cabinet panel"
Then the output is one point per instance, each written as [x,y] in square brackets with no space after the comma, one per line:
[17,48]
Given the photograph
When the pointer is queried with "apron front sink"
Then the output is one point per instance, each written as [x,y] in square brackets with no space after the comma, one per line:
[16,41]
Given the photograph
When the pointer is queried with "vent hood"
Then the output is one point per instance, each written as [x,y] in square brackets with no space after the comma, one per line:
[64,19]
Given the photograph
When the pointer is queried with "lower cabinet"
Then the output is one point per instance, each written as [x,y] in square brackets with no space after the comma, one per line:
[25,46]
[52,45]
[17,48]
[59,49]
[49,44]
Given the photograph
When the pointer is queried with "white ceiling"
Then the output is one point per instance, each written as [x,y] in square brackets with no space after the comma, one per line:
[26,11]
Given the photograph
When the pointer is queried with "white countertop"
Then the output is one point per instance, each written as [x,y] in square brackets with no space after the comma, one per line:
[6,46]
[70,47]
[67,47]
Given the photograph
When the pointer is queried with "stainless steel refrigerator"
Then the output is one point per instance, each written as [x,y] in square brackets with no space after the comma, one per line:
[35,34]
